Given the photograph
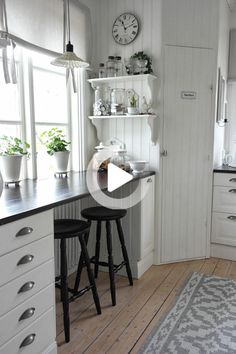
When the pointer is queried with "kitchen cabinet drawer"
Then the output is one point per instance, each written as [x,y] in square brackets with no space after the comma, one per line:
[24,259]
[23,315]
[225,179]
[27,285]
[224,229]
[42,334]
[24,231]
[224,199]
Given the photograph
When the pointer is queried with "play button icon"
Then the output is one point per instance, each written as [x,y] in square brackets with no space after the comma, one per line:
[116,177]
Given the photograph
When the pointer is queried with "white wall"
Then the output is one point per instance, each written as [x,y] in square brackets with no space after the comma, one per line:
[222,62]
[230,130]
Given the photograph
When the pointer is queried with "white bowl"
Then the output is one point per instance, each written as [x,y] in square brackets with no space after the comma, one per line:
[138,166]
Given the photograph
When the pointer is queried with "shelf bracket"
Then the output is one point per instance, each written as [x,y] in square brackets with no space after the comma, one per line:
[152,122]
[98,125]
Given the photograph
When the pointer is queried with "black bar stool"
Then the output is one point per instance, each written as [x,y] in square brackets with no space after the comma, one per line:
[64,229]
[100,214]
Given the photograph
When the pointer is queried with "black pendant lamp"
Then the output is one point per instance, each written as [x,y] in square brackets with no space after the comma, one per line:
[69,59]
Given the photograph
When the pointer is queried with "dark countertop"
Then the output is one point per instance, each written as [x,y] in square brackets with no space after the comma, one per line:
[33,196]
[225,169]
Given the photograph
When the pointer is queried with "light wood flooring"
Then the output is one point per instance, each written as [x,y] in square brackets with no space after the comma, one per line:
[123,328]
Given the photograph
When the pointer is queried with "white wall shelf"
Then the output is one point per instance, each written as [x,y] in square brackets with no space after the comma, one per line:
[108,80]
[144,84]
[150,118]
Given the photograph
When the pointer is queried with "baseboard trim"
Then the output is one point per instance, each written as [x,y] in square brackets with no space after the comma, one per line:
[223,251]
[144,264]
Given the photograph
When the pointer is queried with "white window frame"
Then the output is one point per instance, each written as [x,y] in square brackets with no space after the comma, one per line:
[27,115]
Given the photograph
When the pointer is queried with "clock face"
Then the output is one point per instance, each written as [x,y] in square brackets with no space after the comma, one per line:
[125,28]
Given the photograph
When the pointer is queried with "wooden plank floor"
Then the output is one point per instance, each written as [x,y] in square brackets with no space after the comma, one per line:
[123,328]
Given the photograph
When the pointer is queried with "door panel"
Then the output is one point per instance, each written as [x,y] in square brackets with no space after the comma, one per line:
[187,139]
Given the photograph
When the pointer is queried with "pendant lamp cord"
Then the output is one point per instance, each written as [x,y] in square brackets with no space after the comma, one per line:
[5,16]
[68,19]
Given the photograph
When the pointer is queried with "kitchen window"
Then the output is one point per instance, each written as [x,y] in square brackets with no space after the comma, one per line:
[10,107]
[39,101]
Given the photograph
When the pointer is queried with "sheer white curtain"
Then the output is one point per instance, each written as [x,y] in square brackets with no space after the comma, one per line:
[38,25]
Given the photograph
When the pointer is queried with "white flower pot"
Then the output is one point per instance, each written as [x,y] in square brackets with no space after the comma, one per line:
[132,110]
[1,184]
[61,160]
[10,167]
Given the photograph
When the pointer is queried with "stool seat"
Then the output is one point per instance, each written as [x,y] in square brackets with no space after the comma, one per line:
[67,228]
[100,213]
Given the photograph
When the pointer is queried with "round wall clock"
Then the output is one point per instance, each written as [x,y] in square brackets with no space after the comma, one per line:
[125,28]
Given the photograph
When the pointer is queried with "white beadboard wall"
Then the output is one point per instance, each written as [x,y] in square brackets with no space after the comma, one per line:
[220,134]
[134,132]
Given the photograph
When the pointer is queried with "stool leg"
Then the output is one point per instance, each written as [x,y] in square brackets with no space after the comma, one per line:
[110,263]
[124,251]
[90,273]
[97,251]
[80,267]
[64,291]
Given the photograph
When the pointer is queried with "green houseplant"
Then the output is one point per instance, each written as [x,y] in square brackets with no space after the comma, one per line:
[132,107]
[57,146]
[12,149]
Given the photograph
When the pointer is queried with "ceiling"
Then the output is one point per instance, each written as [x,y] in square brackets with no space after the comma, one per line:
[232,4]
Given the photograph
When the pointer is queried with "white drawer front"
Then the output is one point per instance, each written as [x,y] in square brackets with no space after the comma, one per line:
[224,199]
[42,332]
[224,229]
[38,226]
[225,179]
[26,258]
[38,278]
[23,315]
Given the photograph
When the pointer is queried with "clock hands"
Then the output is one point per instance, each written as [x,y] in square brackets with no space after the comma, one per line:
[125,28]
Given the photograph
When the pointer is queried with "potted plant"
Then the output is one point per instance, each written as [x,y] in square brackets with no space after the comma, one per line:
[132,102]
[12,149]
[57,146]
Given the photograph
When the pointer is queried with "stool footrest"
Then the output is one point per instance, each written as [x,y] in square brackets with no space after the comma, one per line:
[76,294]
[105,264]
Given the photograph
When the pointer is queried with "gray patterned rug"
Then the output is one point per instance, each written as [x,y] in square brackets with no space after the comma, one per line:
[202,320]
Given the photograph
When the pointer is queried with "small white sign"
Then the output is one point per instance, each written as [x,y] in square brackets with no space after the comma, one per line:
[189,95]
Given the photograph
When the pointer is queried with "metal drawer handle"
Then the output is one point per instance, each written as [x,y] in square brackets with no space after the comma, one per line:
[149,180]
[24,231]
[232,180]
[232,217]
[27,314]
[28,340]
[25,259]
[26,287]
[232,191]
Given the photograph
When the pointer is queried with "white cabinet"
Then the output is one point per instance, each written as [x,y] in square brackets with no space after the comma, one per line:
[147,219]
[27,295]
[223,232]
[139,228]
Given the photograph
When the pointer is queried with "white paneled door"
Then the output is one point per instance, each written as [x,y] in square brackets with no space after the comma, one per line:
[187,141]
